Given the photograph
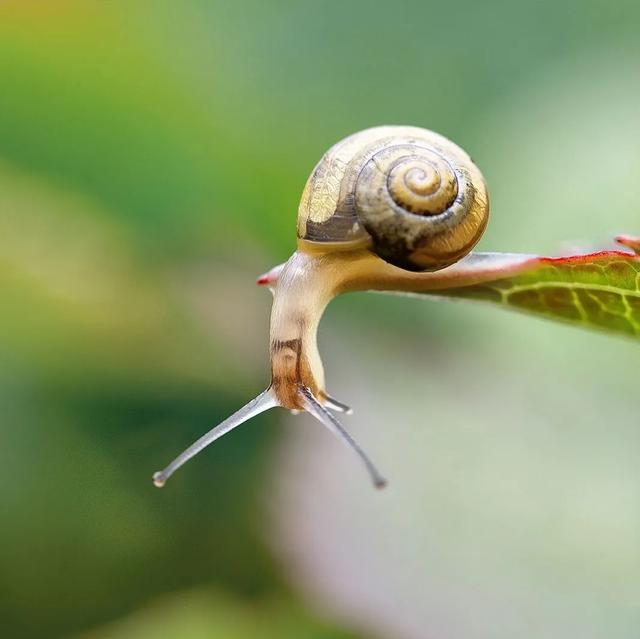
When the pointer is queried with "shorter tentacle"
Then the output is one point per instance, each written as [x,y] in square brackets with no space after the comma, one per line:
[328,420]
[334,404]
[261,403]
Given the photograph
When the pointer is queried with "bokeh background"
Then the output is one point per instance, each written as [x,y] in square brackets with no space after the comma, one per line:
[152,155]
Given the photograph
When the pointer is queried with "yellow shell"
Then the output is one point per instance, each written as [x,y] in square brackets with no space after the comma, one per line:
[415,196]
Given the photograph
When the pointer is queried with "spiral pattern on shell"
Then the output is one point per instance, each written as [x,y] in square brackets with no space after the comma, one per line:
[415,195]
[422,185]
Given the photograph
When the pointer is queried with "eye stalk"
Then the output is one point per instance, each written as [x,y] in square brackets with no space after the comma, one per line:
[379,206]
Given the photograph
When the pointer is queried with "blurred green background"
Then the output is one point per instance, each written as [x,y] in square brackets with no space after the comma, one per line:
[152,155]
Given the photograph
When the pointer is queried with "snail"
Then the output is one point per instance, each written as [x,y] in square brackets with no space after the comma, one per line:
[382,210]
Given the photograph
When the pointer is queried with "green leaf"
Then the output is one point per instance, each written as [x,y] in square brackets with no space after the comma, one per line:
[598,290]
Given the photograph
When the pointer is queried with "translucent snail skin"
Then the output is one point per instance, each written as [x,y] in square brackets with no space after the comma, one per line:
[381,210]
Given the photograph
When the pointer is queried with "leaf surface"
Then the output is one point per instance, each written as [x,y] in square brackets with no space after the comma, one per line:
[598,290]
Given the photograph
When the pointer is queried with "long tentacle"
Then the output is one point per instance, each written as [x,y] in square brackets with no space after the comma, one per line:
[316,409]
[261,403]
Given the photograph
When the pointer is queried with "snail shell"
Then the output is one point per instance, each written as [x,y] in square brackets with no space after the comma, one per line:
[415,197]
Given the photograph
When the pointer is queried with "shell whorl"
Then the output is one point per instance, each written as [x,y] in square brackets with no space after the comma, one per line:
[418,180]
[416,196]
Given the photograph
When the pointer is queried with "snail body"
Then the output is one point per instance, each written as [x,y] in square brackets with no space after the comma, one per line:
[382,210]
[385,201]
